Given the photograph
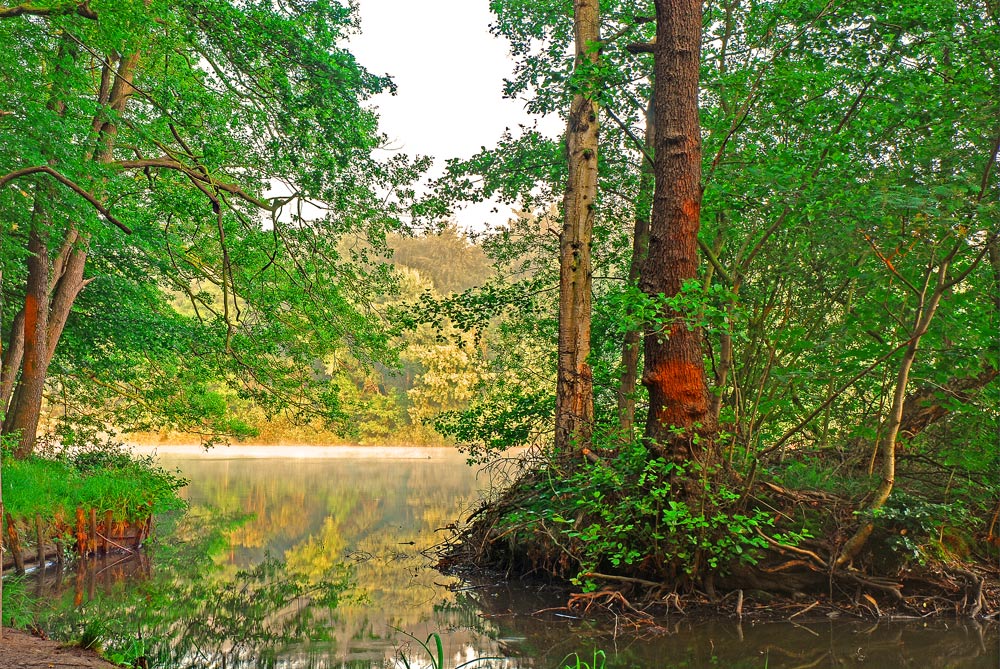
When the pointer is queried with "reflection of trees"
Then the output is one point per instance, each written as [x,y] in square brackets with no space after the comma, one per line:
[192,612]
[378,514]
[212,592]
[319,553]
[681,642]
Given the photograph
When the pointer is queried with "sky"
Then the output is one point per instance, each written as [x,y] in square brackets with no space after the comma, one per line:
[449,72]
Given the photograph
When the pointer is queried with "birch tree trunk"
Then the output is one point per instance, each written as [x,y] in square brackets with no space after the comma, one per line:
[574,389]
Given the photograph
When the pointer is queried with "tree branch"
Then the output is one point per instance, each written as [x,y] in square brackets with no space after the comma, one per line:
[79,190]
[31,9]
[201,176]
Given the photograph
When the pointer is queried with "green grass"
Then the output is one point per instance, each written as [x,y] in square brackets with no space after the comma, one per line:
[130,487]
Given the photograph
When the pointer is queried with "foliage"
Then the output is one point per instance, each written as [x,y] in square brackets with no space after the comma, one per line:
[577,662]
[698,307]
[623,515]
[447,256]
[105,478]
[849,164]
[221,294]
[916,526]
[18,603]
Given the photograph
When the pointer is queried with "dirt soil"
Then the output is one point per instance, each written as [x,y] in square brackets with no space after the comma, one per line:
[20,650]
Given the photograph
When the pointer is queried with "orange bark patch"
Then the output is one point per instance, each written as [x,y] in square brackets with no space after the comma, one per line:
[679,388]
[691,209]
[30,321]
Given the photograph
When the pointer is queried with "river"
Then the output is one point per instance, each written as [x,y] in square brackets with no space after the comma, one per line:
[321,557]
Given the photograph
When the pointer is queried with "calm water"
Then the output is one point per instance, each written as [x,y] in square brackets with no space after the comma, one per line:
[318,560]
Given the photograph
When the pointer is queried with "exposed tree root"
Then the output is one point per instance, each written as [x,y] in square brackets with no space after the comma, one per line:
[787,581]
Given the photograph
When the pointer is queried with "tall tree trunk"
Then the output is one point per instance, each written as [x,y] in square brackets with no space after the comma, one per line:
[63,284]
[64,296]
[26,403]
[574,390]
[679,426]
[640,245]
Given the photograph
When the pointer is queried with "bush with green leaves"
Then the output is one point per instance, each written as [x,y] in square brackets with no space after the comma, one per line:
[622,516]
[915,527]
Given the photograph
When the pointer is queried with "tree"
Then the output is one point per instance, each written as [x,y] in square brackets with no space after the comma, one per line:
[574,390]
[844,204]
[679,426]
[147,164]
[631,345]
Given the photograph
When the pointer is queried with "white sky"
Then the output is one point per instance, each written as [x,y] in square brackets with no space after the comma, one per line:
[449,74]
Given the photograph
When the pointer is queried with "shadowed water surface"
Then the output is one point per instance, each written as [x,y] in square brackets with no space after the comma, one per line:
[316,558]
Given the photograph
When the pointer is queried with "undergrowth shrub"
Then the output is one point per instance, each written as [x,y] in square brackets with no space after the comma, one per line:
[621,516]
[914,528]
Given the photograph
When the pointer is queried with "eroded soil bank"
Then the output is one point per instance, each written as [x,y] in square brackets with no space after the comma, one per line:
[554,540]
[20,650]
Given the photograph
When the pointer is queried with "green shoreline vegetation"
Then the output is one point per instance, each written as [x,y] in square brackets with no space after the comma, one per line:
[44,495]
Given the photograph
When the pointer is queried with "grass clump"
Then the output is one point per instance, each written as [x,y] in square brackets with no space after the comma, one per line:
[104,477]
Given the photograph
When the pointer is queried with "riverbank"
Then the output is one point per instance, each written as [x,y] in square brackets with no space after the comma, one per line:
[768,553]
[86,501]
[20,650]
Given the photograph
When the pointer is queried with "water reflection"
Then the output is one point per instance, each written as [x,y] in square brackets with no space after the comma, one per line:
[317,562]
[551,638]
[375,514]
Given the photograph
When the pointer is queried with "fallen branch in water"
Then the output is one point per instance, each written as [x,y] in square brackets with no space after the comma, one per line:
[622,579]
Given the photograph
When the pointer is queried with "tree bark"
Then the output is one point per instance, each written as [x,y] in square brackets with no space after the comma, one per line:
[679,425]
[12,360]
[66,291]
[640,245]
[574,389]
[26,402]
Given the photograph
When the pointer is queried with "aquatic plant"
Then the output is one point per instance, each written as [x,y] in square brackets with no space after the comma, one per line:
[577,662]
[436,654]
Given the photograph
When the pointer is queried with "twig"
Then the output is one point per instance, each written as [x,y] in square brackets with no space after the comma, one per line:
[808,608]
[127,550]
[813,632]
[794,549]
[885,586]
